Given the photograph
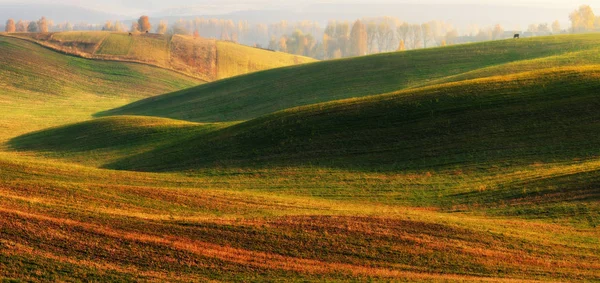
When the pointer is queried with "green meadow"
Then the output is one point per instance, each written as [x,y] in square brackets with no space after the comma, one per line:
[467,163]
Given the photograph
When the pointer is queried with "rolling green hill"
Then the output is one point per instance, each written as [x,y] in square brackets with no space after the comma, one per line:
[258,94]
[478,171]
[41,88]
[537,116]
[205,59]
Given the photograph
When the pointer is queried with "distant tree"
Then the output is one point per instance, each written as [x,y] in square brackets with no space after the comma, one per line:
[416,35]
[10,26]
[108,26]
[180,28]
[119,27]
[427,33]
[556,27]
[144,24]
[32,27]
[358,39]
[384,32]
[533,28]
[582,19]
[484,35]
[443,43]
[403,32]
[21,26]
[544,28]
[162,27]
[135,27]
[42,25]
[497,32]
[196,34]
[401,46]
[283,44]
[371,36]
[451,37]
[68,27]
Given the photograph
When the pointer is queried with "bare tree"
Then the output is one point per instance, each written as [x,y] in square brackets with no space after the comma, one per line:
[416,35]
[427,34]
[10,26]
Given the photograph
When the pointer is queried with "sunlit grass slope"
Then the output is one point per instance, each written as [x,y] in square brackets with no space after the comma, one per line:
[202,58]
[40,88]
[475,200]
[254,95]
[536,116]
[67,222]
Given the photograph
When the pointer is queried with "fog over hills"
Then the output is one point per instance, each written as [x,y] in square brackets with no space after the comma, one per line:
[511,14]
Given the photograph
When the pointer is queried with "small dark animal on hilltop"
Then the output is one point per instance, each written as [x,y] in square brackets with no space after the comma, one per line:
[130,34]
[517,36]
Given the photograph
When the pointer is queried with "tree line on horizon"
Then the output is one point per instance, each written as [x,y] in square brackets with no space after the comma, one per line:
[338,39]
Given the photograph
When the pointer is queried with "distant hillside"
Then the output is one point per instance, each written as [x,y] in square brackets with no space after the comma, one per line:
[254,95]
[43,83]
[206,59]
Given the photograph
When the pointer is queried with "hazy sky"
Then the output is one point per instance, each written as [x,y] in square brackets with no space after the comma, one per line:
[134,7]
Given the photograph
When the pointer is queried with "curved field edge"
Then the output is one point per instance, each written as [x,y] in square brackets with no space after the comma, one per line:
[198,58]
[254,95]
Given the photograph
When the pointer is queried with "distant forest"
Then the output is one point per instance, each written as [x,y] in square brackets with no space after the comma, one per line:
[337,39]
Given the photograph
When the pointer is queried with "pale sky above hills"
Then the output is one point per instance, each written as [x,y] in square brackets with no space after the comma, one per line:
[134,7]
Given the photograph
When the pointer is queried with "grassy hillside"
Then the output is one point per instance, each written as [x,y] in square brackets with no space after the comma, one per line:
[495,179]
[205,59]
[519,119]
[38,86]
[258,94]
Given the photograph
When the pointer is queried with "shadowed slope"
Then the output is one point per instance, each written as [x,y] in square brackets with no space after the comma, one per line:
[254,95]
[99,141]
[542,115]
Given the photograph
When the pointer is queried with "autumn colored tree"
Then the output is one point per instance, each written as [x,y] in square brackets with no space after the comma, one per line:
[108,26]
[21,26]
[135,27]
[401,46]
[32,27]
[196,34]
[10,26]
[556,27]
[144,24]
[358,39]
[42,25]
[403,32]
[497,32]
[162,27]
[582,19]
